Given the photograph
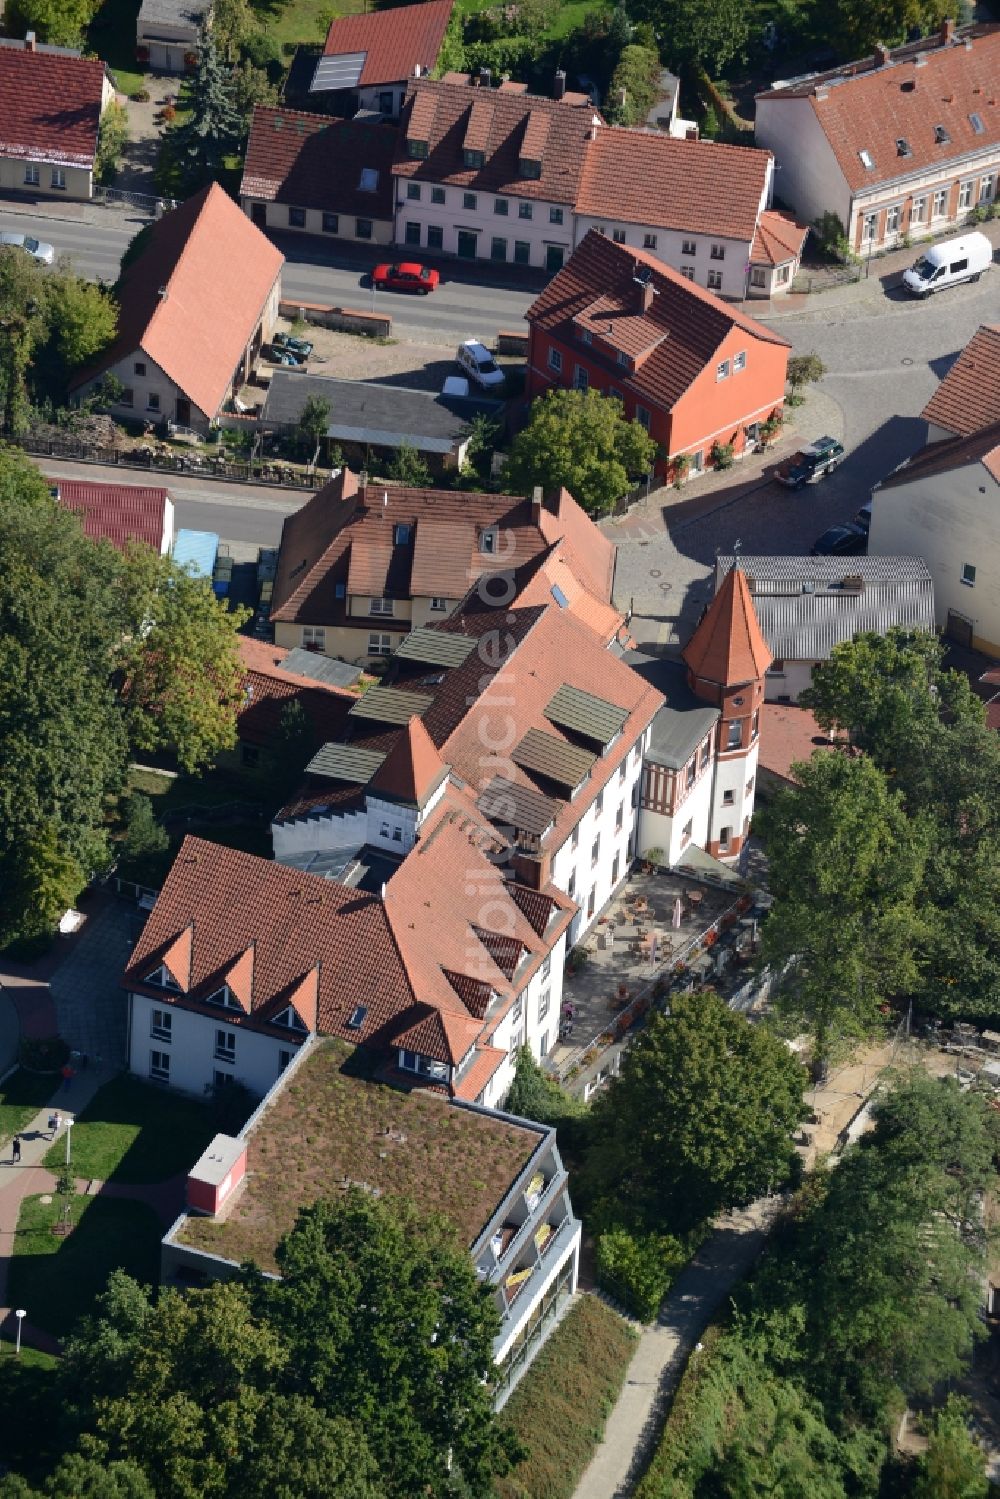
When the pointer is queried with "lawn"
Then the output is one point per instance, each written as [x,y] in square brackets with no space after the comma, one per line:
[111,34]
[26,1394]
[56,1280]
[560,1407]
[301,23]
[132,1131]
[171,794]
[21,1097]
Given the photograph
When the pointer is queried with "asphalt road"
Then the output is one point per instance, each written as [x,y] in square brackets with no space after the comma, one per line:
[464,306]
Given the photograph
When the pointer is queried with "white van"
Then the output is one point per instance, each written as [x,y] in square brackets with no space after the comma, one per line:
[948,263]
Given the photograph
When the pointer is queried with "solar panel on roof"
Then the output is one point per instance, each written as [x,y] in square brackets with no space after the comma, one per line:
[345,762]
[390,705]
[436,648]
[338,72]
[553,758]
[583,713]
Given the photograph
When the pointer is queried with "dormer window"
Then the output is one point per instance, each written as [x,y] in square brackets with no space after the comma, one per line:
[941,136]
[416,150]
[530,168]
[415,1061]
[162,978]
[866,159]
[624,360]
[488,541]
[224,998]
[474,160]
[291,1020]
[903,147]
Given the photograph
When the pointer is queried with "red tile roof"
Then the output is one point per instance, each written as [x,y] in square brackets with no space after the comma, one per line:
[313,161]
[968,397]
[341,536]
[550,578]
[647,177]
[395,41]
[487,1061]
[267,691]
[869,107]
[217,270]
[685,323]
[509,126]
[788,734]
[118,513]
[728,646]
[411,770]
[440,1034]
[50,107]
[779,238]
[218,902]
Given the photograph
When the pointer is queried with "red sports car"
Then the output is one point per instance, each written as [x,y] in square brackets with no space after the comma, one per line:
[408,276]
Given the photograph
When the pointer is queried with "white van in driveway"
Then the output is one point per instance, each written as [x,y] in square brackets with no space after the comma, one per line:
[946,264]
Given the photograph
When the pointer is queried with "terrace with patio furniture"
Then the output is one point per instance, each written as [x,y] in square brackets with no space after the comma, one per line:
[665,929]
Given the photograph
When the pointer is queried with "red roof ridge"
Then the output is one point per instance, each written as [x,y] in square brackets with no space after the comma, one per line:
[412,769]
[728,645]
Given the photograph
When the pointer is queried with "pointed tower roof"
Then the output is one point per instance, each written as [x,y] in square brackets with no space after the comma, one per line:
[412,770]
[728,646]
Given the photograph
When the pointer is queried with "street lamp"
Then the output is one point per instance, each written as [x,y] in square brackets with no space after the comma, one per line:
[69,1129]
[20,1314]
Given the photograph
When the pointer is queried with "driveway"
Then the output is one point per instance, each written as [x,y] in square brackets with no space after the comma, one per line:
[86,987]
[884,356]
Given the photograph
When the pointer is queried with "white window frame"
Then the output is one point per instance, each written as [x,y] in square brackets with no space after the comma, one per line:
[918,210]
[161,1025]
[32,176]
[58,179]
[714,280]
[689,247]
[544,1000]
[555,361]
[224,1049]
[159,1066]
[718,252]
[939,207]
[379,644]
[381,606]
[722,370]
[739,361]
[968,574]
[649,241]
[892,219]
[314,635]
[438,604]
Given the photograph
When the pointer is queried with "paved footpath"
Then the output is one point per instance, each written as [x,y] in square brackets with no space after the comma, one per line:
[635,1424]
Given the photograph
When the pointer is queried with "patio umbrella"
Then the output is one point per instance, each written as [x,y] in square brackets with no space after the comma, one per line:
[678,913]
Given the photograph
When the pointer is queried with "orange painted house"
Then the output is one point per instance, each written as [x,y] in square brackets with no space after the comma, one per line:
[690,368]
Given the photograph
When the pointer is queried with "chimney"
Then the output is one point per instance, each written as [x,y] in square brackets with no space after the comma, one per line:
[644,286]
[417,70]
[883,55]
[947,32]
[362,484]
[485,78]
[559,84]
[29,41]
[592,132]
[536,505]
[821,92]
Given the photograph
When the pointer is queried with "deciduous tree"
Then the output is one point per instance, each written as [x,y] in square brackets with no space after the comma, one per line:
[856,27]
[693,33]
[384,1318]
[954,1466]
[844,866]
[700,1119]
[580,439]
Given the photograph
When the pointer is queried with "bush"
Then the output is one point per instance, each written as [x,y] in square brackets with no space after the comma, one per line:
[511,54]
[46,1055]
[141,96]
[143,834]
[636,77]
[722,455]
[638,1269]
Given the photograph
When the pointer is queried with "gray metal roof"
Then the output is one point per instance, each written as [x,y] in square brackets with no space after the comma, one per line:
[173,12]
[342,71]
[436,647]
[320,668]
[684,720]
[390,705]
[345,762]
[505,802]
[582,713]
[807,605]
[553,758]
[384,416]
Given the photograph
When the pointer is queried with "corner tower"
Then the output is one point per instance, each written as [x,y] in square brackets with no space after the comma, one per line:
[727,658]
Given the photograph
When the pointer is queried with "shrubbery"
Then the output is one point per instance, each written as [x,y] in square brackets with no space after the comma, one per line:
[638,1269]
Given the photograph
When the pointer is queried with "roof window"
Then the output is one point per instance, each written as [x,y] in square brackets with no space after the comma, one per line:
[369,180]
[529,167]
[977,124]
[866,159]
[401,535]
[474,159]
[903,147]
[941,136]
[357,1018]
[415,149]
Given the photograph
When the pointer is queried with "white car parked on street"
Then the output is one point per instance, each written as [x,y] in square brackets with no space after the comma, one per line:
[34,247]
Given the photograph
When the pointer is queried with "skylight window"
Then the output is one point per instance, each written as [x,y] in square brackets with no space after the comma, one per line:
[903,147]
[357,1018]
[866,159]
[559,596]
[369,180]
[977,124]
[941,136]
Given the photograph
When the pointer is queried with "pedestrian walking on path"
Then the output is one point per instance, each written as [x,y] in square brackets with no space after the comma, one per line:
[15,1149]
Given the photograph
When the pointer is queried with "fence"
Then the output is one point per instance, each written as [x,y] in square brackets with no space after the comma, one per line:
[273,475]
[342,319]
[144,202]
